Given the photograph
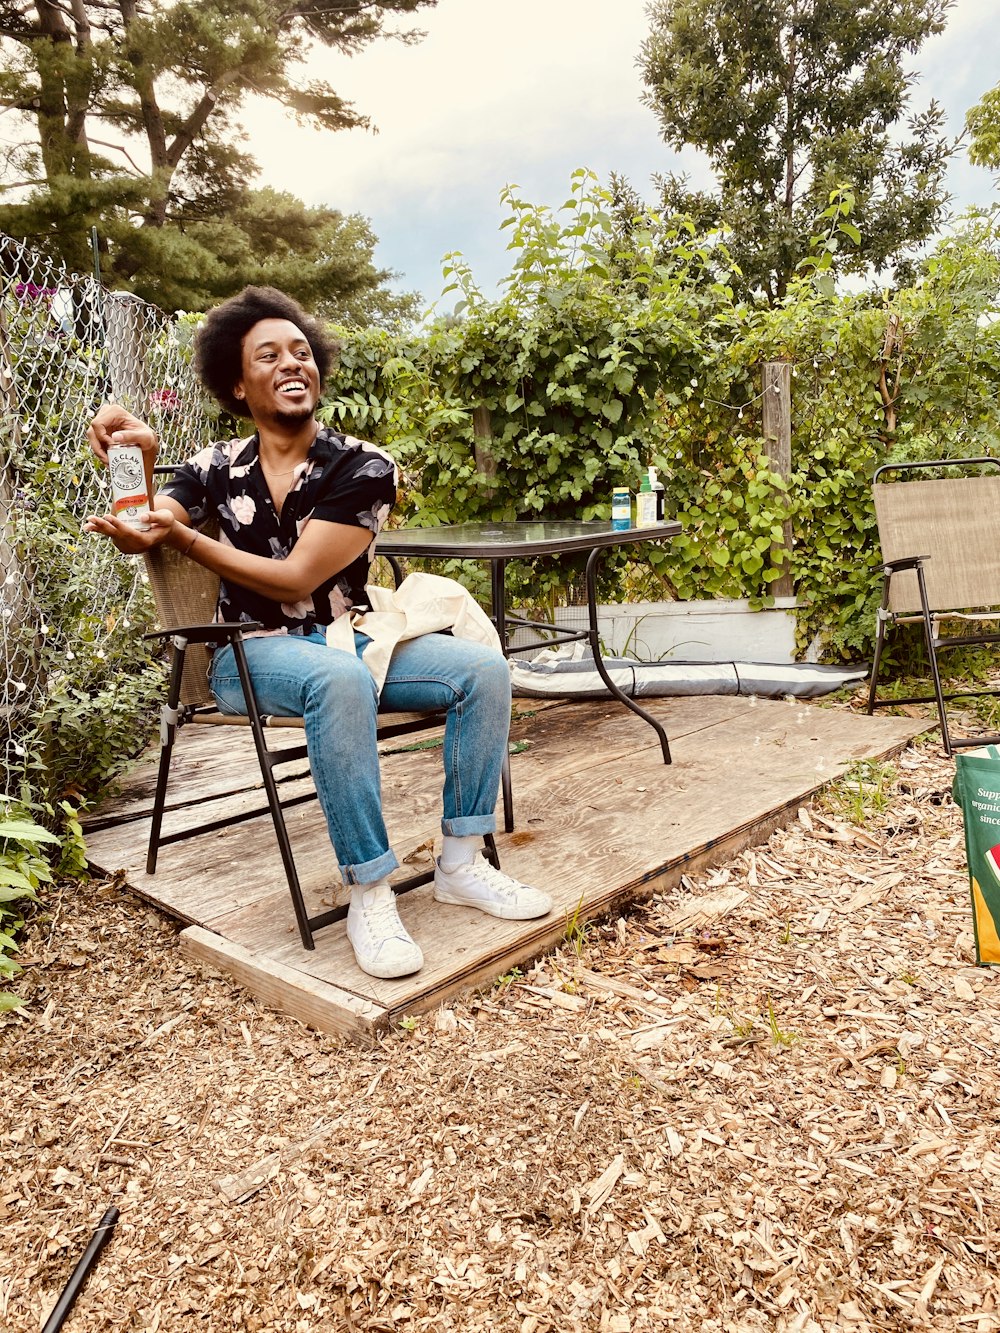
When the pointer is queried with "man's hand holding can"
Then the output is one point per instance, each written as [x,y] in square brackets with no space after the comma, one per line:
[116,421]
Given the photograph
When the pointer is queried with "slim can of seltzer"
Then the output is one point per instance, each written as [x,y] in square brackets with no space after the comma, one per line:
[130,503]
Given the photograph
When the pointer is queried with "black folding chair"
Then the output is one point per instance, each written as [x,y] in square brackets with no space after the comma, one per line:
[186,596]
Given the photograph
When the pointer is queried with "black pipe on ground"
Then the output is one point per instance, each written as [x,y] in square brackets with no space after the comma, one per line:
[78,1277]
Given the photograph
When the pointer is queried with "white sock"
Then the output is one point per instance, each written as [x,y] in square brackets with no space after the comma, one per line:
[457,852]
[358,891]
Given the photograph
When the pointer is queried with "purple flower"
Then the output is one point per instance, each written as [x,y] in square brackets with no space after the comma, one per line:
[30,291]
[166,400]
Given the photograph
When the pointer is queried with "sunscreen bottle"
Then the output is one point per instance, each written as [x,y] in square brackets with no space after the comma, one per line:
[645,516]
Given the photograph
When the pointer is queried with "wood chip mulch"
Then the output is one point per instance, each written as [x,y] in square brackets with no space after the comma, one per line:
[764,1101]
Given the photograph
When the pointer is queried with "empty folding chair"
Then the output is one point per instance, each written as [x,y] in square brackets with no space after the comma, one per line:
[940,538]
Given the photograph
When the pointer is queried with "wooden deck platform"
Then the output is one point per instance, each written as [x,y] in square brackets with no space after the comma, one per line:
[600,821]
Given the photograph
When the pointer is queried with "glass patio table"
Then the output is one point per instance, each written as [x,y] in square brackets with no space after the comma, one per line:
[500,542]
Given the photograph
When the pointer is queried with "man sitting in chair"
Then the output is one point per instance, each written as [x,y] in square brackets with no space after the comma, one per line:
[299,506]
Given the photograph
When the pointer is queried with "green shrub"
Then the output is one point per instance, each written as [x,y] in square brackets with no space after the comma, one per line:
[22,870]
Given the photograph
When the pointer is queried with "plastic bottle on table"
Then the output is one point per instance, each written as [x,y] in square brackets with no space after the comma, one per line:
[621,508]
[645,504]
[661,495]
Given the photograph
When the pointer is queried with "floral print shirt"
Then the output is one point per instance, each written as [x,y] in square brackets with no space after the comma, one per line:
[343,480]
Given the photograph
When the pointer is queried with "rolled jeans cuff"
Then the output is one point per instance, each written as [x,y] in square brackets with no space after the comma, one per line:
[468,825]
[370,872]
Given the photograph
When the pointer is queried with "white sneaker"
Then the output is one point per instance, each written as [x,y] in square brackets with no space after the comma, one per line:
[479,884]
[378,937]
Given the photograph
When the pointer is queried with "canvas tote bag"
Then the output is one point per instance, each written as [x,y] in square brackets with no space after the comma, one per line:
[422,604]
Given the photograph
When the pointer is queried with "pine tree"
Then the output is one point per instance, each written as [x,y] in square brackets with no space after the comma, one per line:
[131,116]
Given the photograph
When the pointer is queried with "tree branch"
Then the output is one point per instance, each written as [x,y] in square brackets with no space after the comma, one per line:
[76,120]
[117,148]
[152,117]
[789,117]
[22,185]
[196,121]
[63,9]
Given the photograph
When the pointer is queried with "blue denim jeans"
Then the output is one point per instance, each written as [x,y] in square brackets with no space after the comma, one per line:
[297,676]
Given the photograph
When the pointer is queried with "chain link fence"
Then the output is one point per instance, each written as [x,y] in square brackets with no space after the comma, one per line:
[72,609]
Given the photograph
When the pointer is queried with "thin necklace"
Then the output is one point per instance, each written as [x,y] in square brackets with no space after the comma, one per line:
[278,474]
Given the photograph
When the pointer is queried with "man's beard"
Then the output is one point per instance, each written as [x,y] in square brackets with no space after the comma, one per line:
[293,416]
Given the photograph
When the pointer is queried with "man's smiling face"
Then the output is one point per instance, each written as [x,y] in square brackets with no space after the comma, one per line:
[280,381]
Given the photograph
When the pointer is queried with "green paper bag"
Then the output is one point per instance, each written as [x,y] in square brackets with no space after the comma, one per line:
[977,790]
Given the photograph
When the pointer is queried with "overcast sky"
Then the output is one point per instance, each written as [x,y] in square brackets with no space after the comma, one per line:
[525,91]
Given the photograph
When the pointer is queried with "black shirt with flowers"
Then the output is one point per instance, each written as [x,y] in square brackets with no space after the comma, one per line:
[343,480]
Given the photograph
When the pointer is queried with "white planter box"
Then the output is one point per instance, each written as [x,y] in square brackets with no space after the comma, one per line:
[716,631]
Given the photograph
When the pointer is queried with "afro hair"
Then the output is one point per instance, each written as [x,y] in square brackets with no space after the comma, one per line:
[218,344]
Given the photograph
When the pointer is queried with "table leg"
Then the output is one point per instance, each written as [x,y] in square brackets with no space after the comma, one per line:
[498,598]
[595,647]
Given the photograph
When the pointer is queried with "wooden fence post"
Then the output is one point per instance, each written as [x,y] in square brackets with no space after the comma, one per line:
[777,416]
[482,434]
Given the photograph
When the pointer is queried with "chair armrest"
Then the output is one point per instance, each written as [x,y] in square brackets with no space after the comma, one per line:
[227,629]
[909,562]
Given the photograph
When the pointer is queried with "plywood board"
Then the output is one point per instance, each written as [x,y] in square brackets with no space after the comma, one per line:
[600,821]
[239,864]
[317,1003]
[602,834]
